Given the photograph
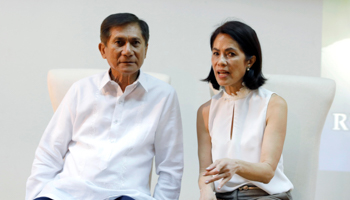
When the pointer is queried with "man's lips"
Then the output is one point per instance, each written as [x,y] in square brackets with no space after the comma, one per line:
[127,62]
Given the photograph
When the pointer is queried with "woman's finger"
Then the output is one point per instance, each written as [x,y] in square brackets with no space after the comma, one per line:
[211,173]
[212,166]
[211,169]
[214,171]
[215,178]
[219,167]
[223,181]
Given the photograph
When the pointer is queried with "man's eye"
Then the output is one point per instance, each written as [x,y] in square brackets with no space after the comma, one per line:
[215,53]
[137,43]
[118,42]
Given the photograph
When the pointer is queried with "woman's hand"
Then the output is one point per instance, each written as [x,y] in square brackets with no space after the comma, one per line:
[222,169]
[207,194]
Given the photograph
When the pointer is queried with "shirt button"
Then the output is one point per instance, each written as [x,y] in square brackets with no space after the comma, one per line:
[121,101]
[116,122]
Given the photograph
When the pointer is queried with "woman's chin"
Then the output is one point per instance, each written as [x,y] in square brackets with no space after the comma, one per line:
[223,83]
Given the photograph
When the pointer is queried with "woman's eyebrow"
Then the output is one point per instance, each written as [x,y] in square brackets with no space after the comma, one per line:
[230,49]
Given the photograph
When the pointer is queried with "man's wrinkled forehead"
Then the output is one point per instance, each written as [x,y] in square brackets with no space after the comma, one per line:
[126,31]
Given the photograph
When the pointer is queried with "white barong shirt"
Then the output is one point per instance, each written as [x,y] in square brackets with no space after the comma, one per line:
[100,142]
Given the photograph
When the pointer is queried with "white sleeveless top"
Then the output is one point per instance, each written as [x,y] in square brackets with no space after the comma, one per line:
[249,107]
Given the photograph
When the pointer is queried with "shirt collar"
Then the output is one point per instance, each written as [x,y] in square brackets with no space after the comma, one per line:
[105,79]
[142,80]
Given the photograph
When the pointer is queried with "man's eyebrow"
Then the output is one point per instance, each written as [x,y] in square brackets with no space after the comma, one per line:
[124,38]
[135,38]
[118,38]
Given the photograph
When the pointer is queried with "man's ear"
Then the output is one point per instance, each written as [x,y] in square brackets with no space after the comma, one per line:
[146,50]
[102,47]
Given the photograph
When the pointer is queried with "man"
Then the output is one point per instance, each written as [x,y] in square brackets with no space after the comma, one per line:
[101,140]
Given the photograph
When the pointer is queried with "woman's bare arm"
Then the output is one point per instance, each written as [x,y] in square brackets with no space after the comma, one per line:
[204,151]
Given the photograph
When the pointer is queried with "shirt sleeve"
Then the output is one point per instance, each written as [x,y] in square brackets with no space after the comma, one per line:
[169,151]
[53,146]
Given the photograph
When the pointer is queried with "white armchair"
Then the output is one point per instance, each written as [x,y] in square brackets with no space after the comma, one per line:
[309,100]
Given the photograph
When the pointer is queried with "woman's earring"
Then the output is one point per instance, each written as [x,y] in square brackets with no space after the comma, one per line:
[248,69]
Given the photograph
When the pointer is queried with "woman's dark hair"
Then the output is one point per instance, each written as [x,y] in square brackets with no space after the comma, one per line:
[247,39]
[121,19]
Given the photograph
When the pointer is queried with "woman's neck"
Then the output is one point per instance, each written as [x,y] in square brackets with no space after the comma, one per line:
[233,89]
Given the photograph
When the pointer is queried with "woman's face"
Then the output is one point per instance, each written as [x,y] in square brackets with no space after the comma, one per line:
[228,61]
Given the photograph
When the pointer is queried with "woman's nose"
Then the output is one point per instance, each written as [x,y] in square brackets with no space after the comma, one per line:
[222,60]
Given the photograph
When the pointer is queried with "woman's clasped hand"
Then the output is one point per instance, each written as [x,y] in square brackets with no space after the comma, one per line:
[222,169]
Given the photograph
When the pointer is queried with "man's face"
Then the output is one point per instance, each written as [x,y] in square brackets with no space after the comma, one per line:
[125,49]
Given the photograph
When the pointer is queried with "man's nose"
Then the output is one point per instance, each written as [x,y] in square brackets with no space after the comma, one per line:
[127,50]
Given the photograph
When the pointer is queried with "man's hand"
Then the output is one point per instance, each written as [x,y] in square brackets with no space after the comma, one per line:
[222,169]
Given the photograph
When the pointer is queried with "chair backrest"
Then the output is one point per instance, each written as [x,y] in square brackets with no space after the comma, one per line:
[309,100]
[60,80]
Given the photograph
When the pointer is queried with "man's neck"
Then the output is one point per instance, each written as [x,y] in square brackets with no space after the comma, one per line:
[124,80]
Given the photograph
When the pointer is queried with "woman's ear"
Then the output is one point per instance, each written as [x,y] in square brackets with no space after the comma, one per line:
[251,61]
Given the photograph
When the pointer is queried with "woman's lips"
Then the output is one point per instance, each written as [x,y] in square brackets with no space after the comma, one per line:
[223,74]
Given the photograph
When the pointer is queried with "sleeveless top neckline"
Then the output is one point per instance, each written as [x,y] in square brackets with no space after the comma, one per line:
[243,92]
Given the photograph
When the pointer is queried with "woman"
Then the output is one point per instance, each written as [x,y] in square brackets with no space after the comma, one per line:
[242,129]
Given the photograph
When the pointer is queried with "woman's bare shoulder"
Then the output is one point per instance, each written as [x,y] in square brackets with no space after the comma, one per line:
[277,106]
[277,101]
[204,109]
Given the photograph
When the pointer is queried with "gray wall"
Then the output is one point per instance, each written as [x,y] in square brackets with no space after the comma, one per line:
[38,35]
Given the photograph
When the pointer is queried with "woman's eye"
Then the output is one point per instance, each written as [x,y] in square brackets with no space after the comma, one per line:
[215,53]
[231,54]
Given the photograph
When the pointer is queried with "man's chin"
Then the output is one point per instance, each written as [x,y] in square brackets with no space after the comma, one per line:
[127,70]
